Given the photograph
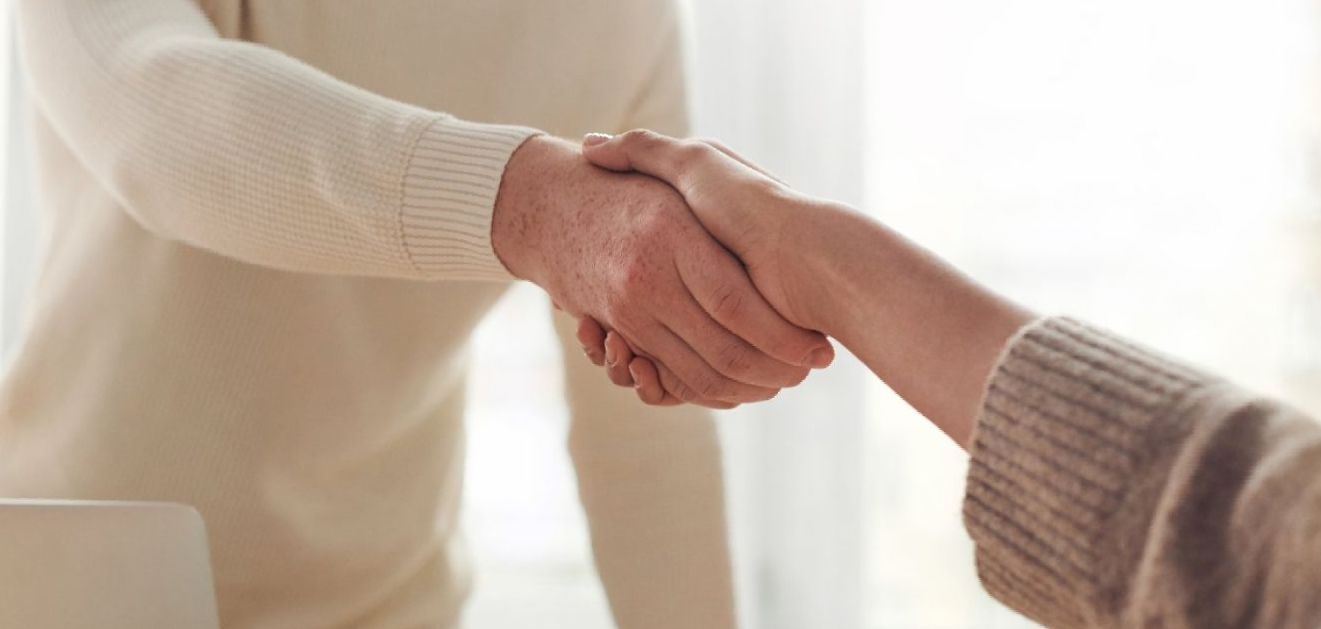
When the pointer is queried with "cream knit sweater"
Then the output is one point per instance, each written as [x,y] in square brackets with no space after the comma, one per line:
[249,301]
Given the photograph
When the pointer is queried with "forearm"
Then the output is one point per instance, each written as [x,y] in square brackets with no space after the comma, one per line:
[927,330]
[1107,483]
[244,151]
[1108,486]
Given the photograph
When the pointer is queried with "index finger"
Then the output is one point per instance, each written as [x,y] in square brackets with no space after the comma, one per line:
[722,288]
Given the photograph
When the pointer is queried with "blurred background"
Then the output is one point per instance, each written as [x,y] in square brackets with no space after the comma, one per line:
[1150,165]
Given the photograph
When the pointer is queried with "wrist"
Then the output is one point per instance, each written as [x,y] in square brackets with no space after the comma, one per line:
[524,201]
[929,331]
[817,263]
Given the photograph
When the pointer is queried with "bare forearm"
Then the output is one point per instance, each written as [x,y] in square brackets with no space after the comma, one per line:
[924,328]
[927,330]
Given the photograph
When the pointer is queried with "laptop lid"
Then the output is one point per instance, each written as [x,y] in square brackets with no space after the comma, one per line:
[104,565]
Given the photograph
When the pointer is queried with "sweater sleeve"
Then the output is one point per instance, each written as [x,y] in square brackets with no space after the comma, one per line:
[1112,487]
[239,149]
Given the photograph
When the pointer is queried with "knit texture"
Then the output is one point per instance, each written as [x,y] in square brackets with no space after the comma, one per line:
[1112,487]
[450,188]
[246,152]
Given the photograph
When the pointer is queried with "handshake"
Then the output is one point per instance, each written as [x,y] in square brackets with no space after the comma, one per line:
[683,265]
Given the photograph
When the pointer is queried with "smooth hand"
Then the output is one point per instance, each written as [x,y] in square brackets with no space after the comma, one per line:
[626,251]
[748,211]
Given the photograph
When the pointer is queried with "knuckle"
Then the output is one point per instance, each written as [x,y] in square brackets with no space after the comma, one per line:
[714,146]
[613,301]
[691,151]
[728,303]
[765,187]
[640,137]
[734,361]
[683,392]
[649,205]
[633,273]
[711,388]
[631,277]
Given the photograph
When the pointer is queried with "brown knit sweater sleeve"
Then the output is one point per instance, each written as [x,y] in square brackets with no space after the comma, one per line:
[1112,487]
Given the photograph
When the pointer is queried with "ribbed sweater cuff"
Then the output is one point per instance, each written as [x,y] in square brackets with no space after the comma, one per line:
[449,193]
[1071,422]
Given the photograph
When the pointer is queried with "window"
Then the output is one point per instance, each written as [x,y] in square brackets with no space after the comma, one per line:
[1146,165]
[15,258]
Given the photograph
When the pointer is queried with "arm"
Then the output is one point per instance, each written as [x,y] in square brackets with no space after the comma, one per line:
[803,253]
[1108,486]
[238,149]
[1113,487]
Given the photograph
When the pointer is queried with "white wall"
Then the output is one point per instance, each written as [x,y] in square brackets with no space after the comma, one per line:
[781,81]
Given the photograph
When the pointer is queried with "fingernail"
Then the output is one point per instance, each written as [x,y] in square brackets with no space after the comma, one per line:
[637,382]
[821,357]
[592,139]
[609,354]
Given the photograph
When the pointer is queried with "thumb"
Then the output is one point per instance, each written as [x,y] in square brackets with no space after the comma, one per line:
[640,150]
[596,139]
[604,150]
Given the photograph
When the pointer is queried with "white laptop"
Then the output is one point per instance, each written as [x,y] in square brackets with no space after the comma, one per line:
[104,565]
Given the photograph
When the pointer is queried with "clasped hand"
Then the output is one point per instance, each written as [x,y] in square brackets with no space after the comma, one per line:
[671,296]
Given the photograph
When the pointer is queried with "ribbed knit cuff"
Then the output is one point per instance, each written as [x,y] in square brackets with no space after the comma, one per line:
[1072,420]
[450,187]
